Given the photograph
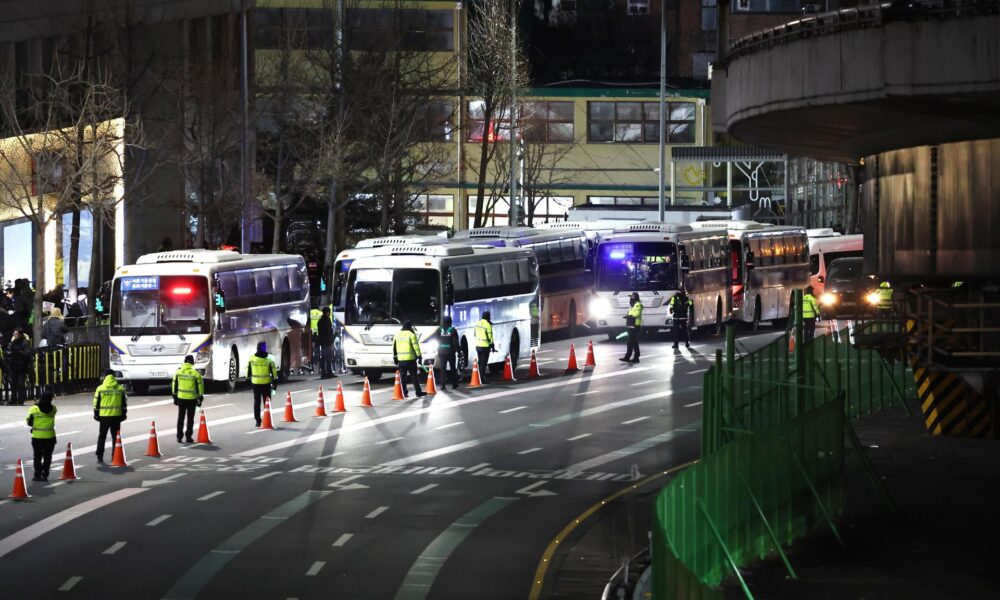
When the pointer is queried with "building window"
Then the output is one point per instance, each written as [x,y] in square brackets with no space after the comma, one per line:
[497,130]
[434,210]
[276,28]
[637,8]
[639,122]
[708,15]
[547,122]
[417,30]
[438,123]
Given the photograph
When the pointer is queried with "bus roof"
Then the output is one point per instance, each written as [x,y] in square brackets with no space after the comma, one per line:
[518,236]
[401,239]
[402,255]
[190,256]
[654,227]
[822,232]
[839,243]
[204,262]
[734,225]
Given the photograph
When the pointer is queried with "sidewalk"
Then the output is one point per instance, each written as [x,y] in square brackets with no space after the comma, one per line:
[940,544]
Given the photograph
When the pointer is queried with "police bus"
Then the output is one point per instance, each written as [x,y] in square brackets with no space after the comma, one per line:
[422,284]
[214,304]
[561,254]
[767,263]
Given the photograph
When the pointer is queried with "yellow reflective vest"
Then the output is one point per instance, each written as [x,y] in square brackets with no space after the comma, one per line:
[314,316]
[188,383]
[109,398]
[262,370]
[406,346]
[680,314]
[810,310]
[635,311]
[484,334]
[43,426]
[884,295]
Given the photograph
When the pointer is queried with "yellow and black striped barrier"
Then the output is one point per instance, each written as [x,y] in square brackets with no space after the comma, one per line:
[950,405]
[61,370]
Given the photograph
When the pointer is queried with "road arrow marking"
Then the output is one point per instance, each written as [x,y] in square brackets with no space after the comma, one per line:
[153,482]
[344,485]
[529,490]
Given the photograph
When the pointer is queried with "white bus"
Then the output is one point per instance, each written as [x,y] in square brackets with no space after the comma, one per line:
[215,305]
[825,246]
[422,284]
[647,258]
[767,263]
[561,255]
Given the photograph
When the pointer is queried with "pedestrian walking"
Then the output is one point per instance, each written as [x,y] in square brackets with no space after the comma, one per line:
[406,354]
[17,363]
[262,373]
[42,420]
[325,328]
[633,324]
[447,338]
[810,312]
[680,307]
[484,343]
[110,409]
[188,390]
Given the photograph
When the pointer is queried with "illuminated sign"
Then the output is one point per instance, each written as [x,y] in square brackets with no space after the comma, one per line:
[140,284]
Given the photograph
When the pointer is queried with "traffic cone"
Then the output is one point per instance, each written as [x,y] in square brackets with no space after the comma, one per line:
[289,409]
[366,395]
[397,389]
[508,370]
[69,467]
[153,449]
[533,367]
[320,404]
[475,381]
[431,388]
[118,457]
[338,403]
[590,362]
[265,421]
[20,491]
[203,430]
[791,341]
[571,365]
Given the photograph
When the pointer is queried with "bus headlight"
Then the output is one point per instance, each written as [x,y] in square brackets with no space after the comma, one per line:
[873,298]
[828,299]
[116,359]
[600,307]
[203,355]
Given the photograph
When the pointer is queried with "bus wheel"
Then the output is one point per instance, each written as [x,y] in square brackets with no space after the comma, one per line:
[286,362]
[462,360]
[571,328]
[139,388]
[515,349]
[373,375]
[718,317]
[234,372]
[755,324]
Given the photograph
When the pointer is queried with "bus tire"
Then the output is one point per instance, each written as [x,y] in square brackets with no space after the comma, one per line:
[140,388]
[462,360]
[515,349]
[373,375]
[284,371]
[571,328]
[233,380]
[718,317]
[755,323]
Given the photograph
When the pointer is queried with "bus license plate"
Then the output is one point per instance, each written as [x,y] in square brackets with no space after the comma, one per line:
[158,374]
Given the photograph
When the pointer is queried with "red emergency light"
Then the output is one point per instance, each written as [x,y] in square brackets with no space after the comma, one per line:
[181,291]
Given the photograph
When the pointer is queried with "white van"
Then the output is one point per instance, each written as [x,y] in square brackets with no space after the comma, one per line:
[825,245]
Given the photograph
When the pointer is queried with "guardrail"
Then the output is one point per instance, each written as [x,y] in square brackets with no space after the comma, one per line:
[61,370]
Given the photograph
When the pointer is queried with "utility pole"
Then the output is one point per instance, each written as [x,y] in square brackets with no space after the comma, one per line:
[246,226]
[663,108]
[514,213]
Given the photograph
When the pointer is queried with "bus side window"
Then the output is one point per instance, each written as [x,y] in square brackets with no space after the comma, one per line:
[511,283]
[264,292]
[541,252]
[494,276]
[460,281]
[477,282]
[279,281]
[227,281]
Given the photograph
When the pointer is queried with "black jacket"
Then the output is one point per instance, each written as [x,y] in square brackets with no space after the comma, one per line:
[18,355]
[325,328]
[447,340]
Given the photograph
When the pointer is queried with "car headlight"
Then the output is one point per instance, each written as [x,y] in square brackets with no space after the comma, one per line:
[873,298]
[203,355]
[600,307]
[116,359]
[828,299]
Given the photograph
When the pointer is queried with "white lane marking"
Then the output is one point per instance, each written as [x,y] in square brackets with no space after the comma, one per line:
[114,548]
[510,410]
[17,539]
[135,460]
[588,392]
[546,361]
[449,425]
[90,413]
[61,433]
[424,489]
[630,421]
[692,404]
[635,448]
[342,540]
[529,450]
[210,496]
[477,467]
[647,382]
[315,568]
[335,454]
[697,371]
[409,414]
[218,405]
[376,512]
[543,351]
[56,484]
[72,581]
[577,437]
[391,440]
[266,475]
[158,520]
[256,431]
[144,437]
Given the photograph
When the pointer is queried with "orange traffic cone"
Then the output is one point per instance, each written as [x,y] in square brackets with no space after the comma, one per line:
[791,341]
[203,430]
[590,362]
[338,404]
[508,370]
[20,491]
[69,467]
[118,457]
[533,367]
[366,395]
[153,449]
[289,409]
[475,381]
[265,421]
[431,387]
[571,365]
[397,389]
[320,404]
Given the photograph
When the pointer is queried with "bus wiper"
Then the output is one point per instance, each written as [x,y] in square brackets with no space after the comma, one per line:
[174,331]
[371,322]
[135,338]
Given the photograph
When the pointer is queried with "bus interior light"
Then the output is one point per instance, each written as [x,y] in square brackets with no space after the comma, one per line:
[617,255]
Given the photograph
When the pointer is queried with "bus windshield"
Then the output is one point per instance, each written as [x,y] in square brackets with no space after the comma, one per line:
[636,266]
[160,305]
[392,296]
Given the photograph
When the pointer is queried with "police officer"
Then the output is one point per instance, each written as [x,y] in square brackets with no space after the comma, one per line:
[447,347]
[188,390]
[810,312]
[315,315]
[262,373]
[110,409]
[42,420]
[633,323]
[325,327]
[484,343]
[406,354]
[885,298]
[680,307]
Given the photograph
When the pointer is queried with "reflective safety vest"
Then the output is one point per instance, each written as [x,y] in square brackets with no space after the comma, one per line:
[314,316]
[884,295]
[188,383]
[444,339]
[810,310]
[407,346]
[680,314]
[484,334]
[43,426]
[109,398]
[635,311]
[262,370]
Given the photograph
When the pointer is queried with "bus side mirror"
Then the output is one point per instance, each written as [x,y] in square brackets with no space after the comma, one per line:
[588,261]
[220,301]
[820,279]
[749,260]
[685,263]
[449,293]
[338,285]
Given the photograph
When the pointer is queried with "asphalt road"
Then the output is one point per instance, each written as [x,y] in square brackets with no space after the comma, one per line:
[452,496]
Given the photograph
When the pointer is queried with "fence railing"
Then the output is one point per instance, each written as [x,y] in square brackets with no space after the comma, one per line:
[62,370]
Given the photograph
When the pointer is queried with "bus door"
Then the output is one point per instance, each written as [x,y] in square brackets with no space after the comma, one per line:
[736,282]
